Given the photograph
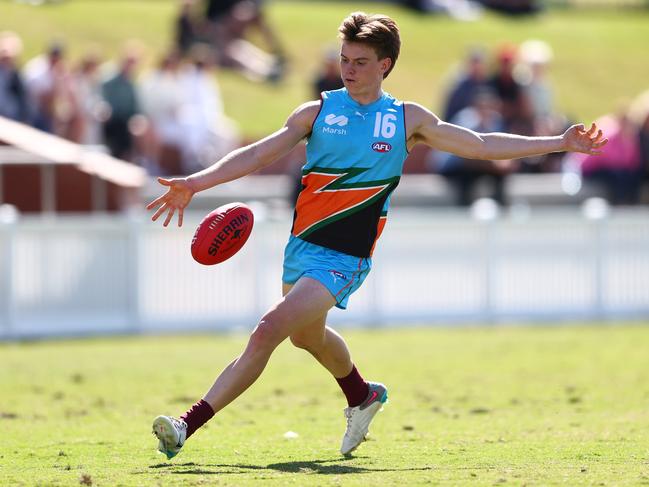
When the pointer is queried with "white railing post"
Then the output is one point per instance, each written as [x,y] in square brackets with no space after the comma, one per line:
[135,227]
[8,223]
[487,213]
[597,211]
[259,266]
[600,254]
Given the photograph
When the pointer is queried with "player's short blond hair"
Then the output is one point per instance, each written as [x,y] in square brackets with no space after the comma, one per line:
[376,30]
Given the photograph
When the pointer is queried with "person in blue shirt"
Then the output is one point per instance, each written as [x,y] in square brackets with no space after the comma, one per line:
[357,140]
[471,80]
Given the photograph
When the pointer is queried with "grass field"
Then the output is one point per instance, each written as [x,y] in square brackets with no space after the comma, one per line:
[468,406]
[600,55]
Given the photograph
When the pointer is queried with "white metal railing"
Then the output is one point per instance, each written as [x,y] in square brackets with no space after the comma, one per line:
[124,274]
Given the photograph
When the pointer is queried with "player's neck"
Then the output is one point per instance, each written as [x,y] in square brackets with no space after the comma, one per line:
[367,97]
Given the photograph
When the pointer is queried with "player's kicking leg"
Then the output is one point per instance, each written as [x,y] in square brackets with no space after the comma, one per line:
[171,433]
[307,301]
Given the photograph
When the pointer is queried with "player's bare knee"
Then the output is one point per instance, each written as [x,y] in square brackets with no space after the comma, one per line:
[265,336]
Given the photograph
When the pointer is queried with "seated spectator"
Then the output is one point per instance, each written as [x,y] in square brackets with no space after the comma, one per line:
[127,133]
[88,86]
[14,100]
[644,147]
[51,88]
[186,30]
[482,116]
[162,95]
[508,87]
[183,103]
[229,23]
[535,57]
[208,133]
[328,78]
[640,115]
[539,115]
[618,168]
[471,79]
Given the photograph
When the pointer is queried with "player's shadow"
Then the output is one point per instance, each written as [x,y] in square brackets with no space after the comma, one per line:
[323,467]
[320,467]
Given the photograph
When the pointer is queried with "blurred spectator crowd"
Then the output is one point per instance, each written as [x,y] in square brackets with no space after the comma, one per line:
[168,120]
[510,91]
[171,120]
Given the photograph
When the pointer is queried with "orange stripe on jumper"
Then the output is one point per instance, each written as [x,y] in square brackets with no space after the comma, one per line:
[326,197]
[382,221]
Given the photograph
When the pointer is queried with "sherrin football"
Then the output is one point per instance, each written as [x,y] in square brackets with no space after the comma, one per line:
[222,233]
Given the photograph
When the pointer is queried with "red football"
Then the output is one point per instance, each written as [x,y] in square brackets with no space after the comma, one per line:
[222,233]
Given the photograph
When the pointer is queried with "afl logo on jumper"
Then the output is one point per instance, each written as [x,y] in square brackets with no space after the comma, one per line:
[381,147]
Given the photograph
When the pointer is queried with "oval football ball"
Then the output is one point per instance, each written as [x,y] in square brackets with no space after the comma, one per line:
[222,233]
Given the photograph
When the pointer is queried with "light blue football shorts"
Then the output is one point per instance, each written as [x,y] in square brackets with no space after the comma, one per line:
[340,273]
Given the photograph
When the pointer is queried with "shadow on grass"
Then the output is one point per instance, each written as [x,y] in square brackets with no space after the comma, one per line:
[321,467]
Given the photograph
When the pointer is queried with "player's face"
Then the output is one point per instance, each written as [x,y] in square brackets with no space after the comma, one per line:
[361,70]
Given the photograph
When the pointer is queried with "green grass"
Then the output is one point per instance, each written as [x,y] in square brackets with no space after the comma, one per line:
[600,55]
[468,406]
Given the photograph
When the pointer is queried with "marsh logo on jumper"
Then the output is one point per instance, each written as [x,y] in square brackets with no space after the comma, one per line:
[340,120]
[381,147]
[338,275]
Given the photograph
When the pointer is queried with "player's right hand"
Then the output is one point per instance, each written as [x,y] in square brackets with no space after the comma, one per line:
[179,194]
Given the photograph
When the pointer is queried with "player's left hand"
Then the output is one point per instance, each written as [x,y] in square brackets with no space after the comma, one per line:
[578,139]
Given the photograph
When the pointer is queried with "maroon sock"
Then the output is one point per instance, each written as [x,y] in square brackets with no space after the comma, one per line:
[199,414]
[354,388]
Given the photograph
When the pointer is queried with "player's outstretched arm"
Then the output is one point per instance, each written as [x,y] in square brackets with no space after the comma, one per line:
[429,129]
[236,164]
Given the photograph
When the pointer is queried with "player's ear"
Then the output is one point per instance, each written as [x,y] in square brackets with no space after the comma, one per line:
[385,65]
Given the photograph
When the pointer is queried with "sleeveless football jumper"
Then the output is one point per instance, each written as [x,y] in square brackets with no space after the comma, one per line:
[355,157]
[354,160]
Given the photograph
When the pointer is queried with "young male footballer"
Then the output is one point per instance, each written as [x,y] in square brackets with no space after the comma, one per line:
[357,140]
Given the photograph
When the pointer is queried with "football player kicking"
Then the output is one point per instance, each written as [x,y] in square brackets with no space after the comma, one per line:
[357,140]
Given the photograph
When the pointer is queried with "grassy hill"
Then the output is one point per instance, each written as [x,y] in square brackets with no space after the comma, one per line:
[600,55]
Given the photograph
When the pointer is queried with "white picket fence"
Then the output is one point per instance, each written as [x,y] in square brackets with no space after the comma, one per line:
[78,275]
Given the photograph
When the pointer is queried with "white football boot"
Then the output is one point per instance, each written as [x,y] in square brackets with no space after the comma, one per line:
[360,417]
[172,433]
